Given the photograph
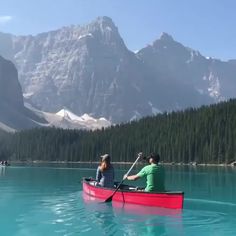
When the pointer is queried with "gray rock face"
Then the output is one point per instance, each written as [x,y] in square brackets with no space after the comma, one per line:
[10,89]
[213,79]
[88,69]
[13,114]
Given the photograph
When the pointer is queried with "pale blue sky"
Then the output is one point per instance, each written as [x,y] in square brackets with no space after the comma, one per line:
[205,25]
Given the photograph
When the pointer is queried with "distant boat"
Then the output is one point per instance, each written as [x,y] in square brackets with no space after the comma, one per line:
[129,194]
[4,164]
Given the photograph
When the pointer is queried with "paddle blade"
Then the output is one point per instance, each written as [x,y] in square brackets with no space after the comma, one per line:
[109,199]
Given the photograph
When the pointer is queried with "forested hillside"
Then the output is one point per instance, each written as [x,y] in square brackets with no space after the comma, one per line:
[204,135]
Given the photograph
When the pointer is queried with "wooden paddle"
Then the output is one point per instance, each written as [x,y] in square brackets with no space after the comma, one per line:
[110,198]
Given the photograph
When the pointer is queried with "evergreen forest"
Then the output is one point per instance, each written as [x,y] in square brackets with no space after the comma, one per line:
[202,135]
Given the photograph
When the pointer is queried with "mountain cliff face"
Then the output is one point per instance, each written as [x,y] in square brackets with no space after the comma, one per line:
[10,89]
[183,66]
[13,114]
[88,69]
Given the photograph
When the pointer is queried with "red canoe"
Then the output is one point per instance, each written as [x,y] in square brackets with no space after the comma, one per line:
[128,194]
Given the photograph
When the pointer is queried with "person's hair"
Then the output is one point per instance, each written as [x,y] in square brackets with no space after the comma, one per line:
[105,165]
[155,157]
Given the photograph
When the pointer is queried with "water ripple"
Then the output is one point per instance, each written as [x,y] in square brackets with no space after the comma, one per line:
[209,201]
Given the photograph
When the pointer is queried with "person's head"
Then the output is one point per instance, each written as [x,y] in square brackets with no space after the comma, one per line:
[153,158]
[105,162]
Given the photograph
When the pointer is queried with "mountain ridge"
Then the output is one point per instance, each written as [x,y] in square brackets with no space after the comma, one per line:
[89,69]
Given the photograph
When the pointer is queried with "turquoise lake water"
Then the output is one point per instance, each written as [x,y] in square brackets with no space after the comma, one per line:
[48,201]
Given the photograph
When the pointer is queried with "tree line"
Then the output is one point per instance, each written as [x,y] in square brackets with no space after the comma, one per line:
[203,135]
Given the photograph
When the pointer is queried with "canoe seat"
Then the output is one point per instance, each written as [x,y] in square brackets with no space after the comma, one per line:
[128,187]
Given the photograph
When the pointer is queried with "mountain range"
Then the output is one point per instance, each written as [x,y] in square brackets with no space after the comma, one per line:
[15,115]
[88,69]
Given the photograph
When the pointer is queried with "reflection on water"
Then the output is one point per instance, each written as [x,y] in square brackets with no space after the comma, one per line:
[130,219]
[2,170]
[145,210]
[112,222]
[102,215]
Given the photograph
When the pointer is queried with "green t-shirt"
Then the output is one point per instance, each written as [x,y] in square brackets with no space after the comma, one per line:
[155,177]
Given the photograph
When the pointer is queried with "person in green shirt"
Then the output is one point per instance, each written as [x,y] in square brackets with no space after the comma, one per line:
[153,172]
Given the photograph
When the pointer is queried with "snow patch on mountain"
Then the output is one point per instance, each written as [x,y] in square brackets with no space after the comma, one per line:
[193,54]
[27,95]
[136,116]
[6,128]
[214,86]
[66,114]
[85,35]
[154,109]
[67,119]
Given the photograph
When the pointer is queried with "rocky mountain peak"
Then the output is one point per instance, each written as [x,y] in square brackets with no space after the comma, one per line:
[166,37]
[105,21]
[104,30]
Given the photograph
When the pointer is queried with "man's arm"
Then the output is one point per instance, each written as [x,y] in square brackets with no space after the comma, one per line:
[131,177]
[141,174]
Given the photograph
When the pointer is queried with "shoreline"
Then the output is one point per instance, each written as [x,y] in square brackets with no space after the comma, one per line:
[122,163]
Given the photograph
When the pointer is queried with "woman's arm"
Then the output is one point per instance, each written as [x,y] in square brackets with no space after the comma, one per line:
[98,175]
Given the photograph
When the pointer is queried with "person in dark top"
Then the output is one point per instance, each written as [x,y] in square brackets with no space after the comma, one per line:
[6,163]
[105,172]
